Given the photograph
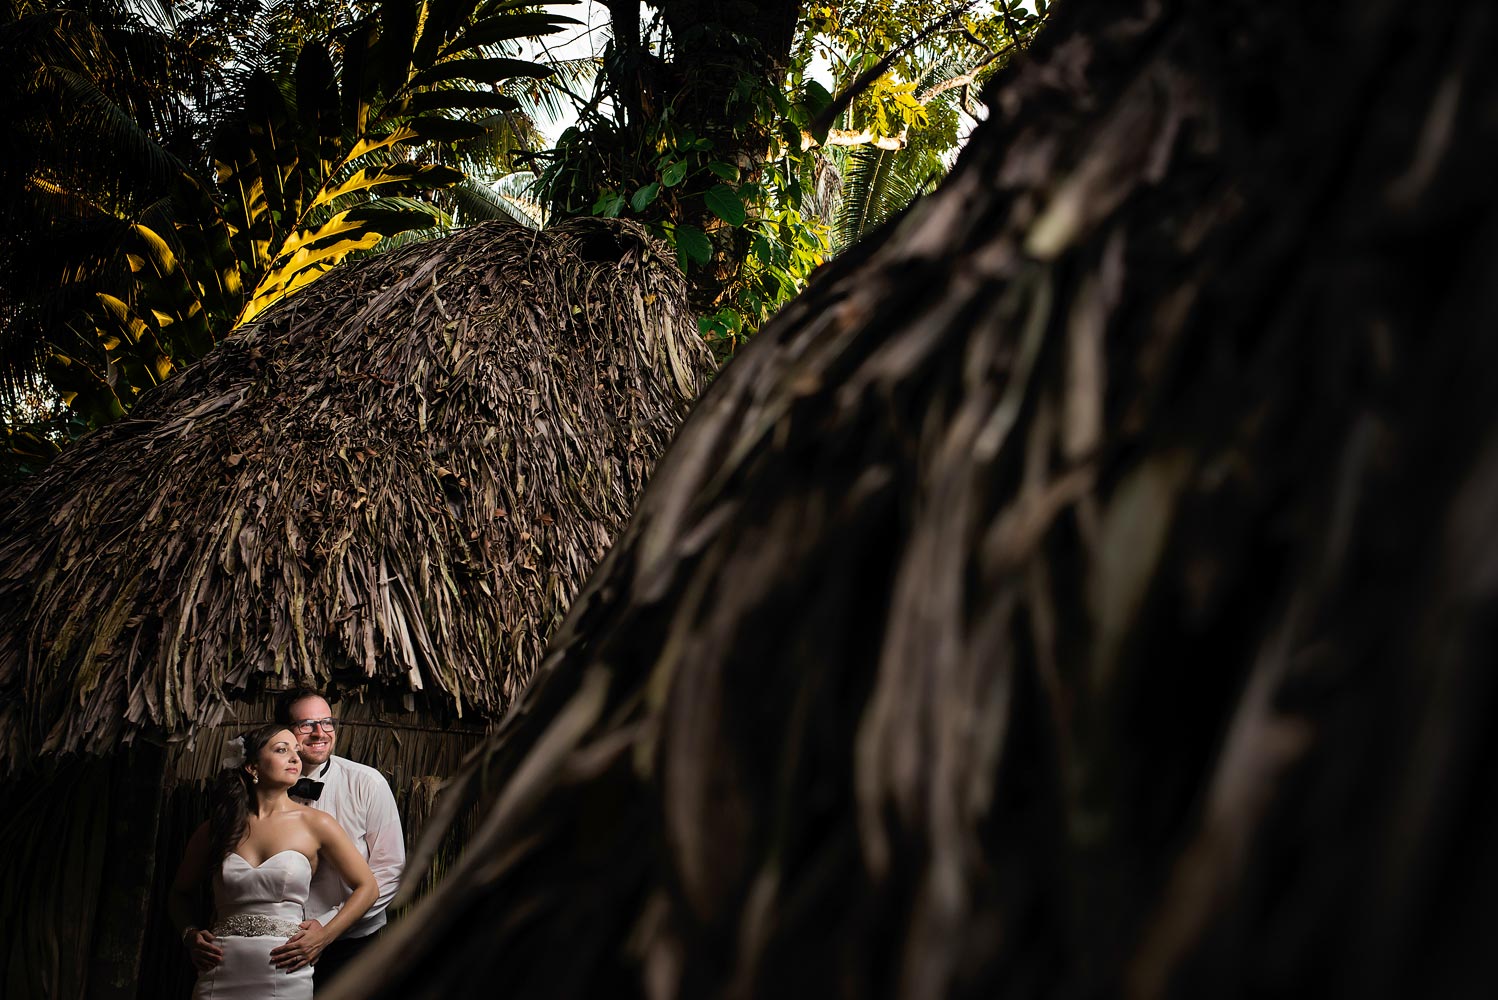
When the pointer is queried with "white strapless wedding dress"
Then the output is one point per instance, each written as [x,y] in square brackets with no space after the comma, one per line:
[257,909]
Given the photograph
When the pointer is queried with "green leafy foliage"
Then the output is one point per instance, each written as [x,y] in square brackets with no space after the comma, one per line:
[360,136]
[899,135]
[754,194]
[726,204]
[692,244]
[742,230]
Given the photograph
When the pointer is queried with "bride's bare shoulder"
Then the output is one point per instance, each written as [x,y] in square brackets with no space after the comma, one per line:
[321,823]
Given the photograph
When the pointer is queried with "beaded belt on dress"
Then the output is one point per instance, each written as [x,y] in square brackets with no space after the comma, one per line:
[255,925]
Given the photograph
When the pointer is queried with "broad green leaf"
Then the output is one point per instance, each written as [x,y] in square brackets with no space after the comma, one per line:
[385,221]
[308,253]
[368,144]
[727,171]
[674,174]
[137,348]
[288,282]
[692,243]
[358,80]
[163,288]
[207,246]
[816,98]
[31,448]
[399,22]
[318,111]
[761,250]
[82,389]
[439,21]
[609,205]
[409,178]
[725,203]
[272,141]
[790,133]
[643,197]
[325,253]
[238,176]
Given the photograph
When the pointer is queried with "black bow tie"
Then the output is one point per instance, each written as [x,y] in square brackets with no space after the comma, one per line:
[306,788]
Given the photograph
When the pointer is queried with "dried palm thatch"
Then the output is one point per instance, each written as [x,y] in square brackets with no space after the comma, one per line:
[400,477]
[1087,589]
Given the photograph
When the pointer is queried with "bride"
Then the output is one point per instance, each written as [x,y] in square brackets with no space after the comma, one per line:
[260,849]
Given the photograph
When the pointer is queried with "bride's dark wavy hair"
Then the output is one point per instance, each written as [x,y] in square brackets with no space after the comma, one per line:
[233,793]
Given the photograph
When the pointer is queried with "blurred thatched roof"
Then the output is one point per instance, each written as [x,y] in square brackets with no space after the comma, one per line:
[401,475]
[1088,588]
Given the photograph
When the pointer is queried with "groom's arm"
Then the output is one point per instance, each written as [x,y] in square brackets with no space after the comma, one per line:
[386,843]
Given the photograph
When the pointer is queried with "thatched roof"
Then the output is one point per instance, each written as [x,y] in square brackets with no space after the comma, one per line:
[401,475]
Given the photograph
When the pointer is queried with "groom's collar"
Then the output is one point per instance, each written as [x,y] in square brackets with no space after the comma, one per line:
[323,771]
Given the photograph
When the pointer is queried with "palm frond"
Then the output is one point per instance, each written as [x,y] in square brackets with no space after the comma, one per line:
[244,164]
[96,122]
[408,238]
[554,96]
[493,153]
[868,170]
[877,184]
[477,202]
[56,246]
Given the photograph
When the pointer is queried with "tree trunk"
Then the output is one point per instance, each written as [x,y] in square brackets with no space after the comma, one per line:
[1089,587]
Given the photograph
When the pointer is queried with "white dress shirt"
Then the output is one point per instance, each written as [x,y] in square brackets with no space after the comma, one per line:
[359,798]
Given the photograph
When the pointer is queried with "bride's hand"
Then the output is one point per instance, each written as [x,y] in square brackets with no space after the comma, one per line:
[302,948]
[203,949]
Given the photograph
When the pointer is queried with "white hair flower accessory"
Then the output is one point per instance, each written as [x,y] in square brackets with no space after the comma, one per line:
[235,755]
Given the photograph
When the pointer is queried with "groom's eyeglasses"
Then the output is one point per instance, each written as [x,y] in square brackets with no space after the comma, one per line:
[307,725]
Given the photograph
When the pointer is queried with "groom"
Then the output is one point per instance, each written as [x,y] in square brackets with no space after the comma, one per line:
[359,798]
